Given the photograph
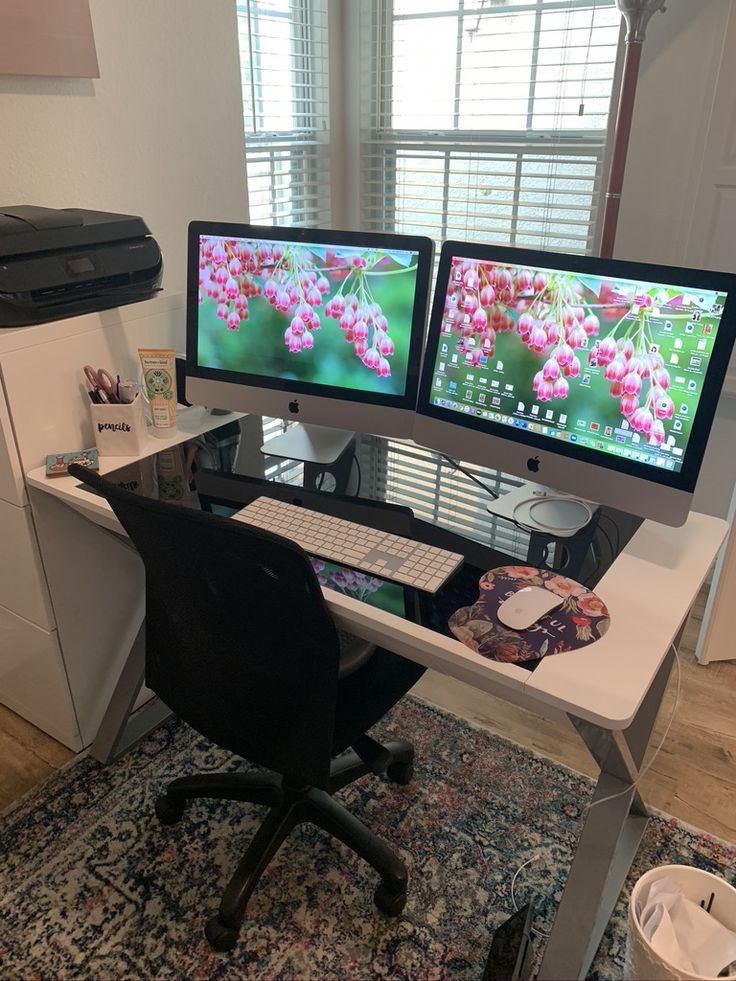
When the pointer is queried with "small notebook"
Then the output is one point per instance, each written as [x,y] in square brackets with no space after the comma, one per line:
[57,464]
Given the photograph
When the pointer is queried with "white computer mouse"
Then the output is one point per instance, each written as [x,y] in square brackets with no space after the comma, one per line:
[527,606]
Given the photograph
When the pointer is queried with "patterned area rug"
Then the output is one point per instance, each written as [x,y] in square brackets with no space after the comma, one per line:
[91,887]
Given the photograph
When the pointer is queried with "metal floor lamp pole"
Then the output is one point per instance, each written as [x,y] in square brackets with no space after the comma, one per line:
[637,14]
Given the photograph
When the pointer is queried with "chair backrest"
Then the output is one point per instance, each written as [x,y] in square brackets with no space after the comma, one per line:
[239,641]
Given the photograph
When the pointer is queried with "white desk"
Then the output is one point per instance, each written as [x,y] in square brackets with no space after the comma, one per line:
[609,692]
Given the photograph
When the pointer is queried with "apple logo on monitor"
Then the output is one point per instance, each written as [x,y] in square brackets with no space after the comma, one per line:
[294,406]
[533,463]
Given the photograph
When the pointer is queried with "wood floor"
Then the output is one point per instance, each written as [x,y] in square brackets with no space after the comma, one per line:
[693,777]
[27,756]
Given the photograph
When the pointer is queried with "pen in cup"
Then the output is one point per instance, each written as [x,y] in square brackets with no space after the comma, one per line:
[94,394]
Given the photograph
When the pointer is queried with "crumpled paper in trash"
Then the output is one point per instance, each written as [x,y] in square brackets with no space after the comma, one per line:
[683,934]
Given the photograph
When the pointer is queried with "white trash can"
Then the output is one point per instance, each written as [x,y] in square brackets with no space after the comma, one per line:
[642,962]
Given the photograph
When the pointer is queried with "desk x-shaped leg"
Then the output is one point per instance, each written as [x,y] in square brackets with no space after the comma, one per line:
[609,839]
[121,727]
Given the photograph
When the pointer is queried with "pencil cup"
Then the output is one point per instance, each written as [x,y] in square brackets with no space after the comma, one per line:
[119,430]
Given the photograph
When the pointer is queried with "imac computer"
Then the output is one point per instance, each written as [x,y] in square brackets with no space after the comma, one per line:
[596,377]
[322,327]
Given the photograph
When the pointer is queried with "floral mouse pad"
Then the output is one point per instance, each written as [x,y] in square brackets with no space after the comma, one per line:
[581,619]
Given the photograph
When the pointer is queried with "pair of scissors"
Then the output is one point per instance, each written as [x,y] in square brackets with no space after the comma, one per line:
[102,383]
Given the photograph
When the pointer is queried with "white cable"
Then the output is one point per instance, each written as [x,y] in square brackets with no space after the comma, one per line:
[539,933]
[611,796]
[644,769]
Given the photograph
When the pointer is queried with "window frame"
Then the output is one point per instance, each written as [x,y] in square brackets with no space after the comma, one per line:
[382,143]
[305,147]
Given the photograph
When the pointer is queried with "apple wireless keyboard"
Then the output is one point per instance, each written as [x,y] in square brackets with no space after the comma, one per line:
[389,556]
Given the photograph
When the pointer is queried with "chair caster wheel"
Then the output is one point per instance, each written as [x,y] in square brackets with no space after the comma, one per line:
[220,937]
[391,900]
[401,773]
[167,811]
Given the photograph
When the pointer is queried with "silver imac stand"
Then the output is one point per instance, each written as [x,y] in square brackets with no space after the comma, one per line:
[309,444]
[544,510]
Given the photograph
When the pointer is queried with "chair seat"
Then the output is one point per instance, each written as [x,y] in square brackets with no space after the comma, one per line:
[354,653]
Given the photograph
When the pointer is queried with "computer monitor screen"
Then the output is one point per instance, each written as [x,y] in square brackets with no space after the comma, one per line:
[322,326]
[597,377]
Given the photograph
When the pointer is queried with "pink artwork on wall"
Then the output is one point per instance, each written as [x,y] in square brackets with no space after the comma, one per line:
[47,37]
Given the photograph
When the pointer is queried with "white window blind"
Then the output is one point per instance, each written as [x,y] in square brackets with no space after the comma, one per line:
[486,119]
[283,55]
[404,473]
[275,467]
[482,120]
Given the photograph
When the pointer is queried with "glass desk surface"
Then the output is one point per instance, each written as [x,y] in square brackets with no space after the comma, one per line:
[201,473]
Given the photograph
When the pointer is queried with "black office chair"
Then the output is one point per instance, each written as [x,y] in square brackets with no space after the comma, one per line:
[241,646]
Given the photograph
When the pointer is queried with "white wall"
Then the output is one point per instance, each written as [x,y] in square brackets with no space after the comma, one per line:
[679,71]
[678,200]
[159,134]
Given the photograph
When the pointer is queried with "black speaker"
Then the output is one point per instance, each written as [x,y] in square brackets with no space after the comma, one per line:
[181,381]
